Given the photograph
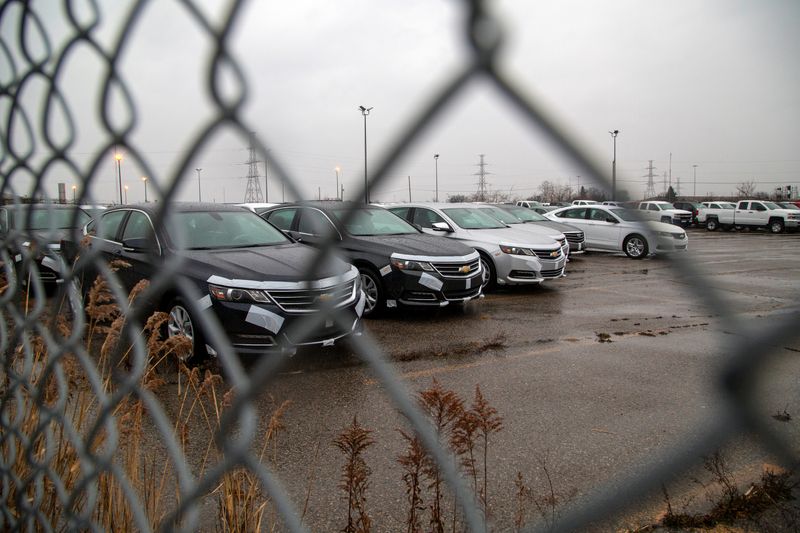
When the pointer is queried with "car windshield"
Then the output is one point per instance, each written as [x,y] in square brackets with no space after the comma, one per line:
[772,205]
[502,215]
[524,214]
[472,218]
[664,206]
[213,230]
[790,206]
[628,215]
[374,221]
[42,218]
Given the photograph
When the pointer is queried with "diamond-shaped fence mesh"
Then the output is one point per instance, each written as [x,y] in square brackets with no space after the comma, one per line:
[80,394]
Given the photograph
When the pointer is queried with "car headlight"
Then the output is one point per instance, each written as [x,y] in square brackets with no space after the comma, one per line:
[514,250]
[405,264]
[229,294]
[664,234]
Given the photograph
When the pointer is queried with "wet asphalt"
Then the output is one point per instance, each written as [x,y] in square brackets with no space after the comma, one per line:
[597,376]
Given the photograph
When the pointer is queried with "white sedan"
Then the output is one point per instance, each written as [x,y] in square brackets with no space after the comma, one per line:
[614,229]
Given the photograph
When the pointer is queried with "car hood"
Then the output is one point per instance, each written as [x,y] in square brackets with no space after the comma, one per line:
[412,244]
[286,262]
[563,228]
[539,229]
[654,226]
[508,236]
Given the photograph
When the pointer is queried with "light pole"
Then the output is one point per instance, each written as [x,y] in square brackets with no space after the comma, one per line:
[118,157]
[365,111]
[144,179]
[614,166]
[337,169]
[199,198]
[74,188]
[436,160]
[694,167]
[126,194]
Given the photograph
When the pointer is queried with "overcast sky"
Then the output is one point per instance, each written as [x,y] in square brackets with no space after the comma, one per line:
[714,83]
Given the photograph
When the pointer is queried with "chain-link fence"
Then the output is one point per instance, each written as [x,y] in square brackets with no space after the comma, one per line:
[77,385]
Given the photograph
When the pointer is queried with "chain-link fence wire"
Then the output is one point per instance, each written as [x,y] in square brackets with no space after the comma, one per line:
[33,145]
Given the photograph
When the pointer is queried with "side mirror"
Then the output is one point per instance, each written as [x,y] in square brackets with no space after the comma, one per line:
[441,226]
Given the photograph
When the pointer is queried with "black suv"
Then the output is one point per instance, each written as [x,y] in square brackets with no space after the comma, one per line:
[250,275]
[37,230]
[399,265]
[693,207]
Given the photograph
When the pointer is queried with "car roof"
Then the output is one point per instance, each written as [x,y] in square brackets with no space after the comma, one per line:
[180,207]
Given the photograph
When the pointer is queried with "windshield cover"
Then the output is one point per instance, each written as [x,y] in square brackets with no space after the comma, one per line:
[524,214]
[472,218]
[43,219]
[213,230]
[374,221]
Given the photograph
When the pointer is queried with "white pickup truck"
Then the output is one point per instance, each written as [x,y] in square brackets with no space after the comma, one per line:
[753,213]
[665,212]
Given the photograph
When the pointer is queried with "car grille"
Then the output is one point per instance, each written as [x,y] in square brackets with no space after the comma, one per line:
[545,254]
[310,300]
[551,273]
[456,270]
[575,238]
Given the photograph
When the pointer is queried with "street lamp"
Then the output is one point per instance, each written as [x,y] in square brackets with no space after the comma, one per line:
[118,157]
[199,198]
[74,188]
[337,169]
[365,111]
[126,194]
[694,167]
[436,161]
[144,179]
[614,166]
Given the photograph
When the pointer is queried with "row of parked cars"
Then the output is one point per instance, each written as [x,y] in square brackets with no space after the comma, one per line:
[260,270]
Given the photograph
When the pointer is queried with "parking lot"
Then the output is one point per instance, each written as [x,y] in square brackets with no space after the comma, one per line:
[595,375]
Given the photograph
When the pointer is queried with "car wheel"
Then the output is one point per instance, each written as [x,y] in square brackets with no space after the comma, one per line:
[180,322]
[712,224]
[776,226]
[372,286]
[488,274]
[635,246]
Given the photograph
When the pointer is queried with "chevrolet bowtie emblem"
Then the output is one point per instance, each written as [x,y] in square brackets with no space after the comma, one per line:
[464,269]
[554,253]
[322,298]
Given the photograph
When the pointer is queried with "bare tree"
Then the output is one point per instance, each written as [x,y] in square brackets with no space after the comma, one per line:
[746,189]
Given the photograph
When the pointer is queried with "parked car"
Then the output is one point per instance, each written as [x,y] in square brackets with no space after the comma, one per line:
[757,214]
[514,222]
[528,204]
[257,207]
[664,212]
[791,206]
[37,230]
[585,202]
[398,264]
[509,256]
[693,207]
[610,202]
[616,229]
[542,209]
[574,235]
[710,214]
[251,276]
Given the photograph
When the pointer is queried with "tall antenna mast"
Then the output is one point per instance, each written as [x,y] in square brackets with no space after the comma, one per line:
[252,192]
[651,186]
[482,188]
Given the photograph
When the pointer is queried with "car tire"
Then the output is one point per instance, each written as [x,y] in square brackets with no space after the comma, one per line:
[712,224]
[372,285]
[489,274]
[776,226]
[635,246]
[181,322]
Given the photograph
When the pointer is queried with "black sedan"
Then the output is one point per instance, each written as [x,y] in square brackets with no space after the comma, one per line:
[250,275]
[399,265]
[37,230]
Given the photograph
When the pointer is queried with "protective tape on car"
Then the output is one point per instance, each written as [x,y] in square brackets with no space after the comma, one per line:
[265,319]
[469,283]
[362,301]
[18,258]
[204,302]
[385,270]
[437,259]
[391,303]
[50,263]
[211,351]
[289,285]
[430,282]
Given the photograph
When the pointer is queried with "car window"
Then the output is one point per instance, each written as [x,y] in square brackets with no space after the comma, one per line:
[524,214]
[471,218]
[313,222]
[282,218]
[501,215]
[369,221]
[759,206]
[598,214]
[212,230]
[575,214]
[107,226]
[426,217]
[652,207]
[139,227]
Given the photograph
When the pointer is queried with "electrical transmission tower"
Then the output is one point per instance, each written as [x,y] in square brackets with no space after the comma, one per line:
[482,187]
[651,186]
[252,192]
